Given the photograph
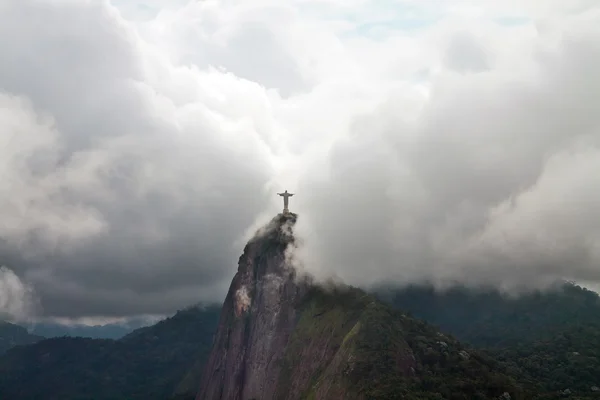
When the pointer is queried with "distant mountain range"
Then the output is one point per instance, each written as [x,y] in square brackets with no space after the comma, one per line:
[12,334]
[108,331]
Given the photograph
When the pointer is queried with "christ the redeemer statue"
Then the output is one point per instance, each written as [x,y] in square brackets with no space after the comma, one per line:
[286,197]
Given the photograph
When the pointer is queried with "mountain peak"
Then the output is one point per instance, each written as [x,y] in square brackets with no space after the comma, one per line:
[279,229]
[263,267]
[282,337]
[257,318]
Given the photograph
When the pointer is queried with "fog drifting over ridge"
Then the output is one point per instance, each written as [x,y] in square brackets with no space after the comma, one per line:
[141,145]
[507,196]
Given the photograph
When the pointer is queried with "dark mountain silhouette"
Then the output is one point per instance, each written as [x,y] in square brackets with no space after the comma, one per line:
[14,335]
[149,363]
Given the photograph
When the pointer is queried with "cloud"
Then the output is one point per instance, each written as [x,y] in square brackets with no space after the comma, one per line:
[32,201]
[145,140]
[126,179]
[16,298]
[464,54]
[491,182]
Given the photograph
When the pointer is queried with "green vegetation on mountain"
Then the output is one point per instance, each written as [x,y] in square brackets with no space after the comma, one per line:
[381,353]
[487,318]
[149,363]
[551,339]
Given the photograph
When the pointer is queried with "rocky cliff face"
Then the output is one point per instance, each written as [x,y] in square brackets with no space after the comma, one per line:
[258,316]
[280,337]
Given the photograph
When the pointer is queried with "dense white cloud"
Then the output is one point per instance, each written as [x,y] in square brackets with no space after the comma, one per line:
[31,198]
[491,184]
[143,140]
[122,172]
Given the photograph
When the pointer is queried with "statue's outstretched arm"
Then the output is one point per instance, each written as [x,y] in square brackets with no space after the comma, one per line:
[290,194]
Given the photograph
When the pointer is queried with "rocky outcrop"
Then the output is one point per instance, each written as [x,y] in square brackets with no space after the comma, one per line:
[281,337]
[259,314]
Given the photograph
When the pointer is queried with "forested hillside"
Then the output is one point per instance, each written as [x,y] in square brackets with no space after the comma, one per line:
[149,363]
[550,338]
